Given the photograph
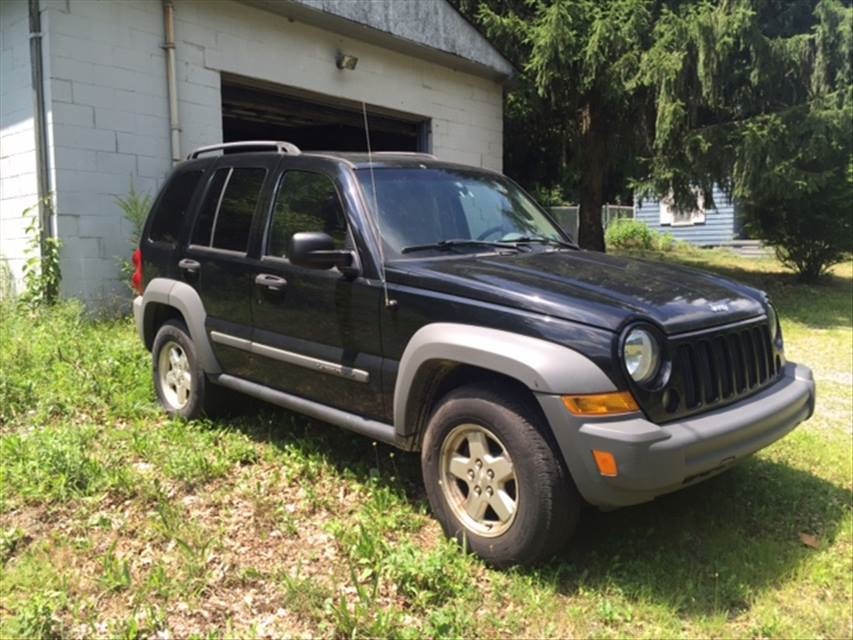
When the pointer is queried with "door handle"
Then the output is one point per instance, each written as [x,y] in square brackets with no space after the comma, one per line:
[271,282]
[190,266]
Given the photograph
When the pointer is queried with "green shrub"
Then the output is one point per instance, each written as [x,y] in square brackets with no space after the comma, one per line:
[666,242]
[627,233]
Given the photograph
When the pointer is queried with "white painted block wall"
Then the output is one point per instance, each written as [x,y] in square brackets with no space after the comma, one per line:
[18,187]
[466,110]
[108,110]
[109,121]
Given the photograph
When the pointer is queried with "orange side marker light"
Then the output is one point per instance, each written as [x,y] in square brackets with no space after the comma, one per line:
[601,404]
[606,463]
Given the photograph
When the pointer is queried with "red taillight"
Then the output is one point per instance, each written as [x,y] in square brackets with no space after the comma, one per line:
[136,280]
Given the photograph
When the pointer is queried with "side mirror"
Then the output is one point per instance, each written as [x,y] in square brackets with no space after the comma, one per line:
[316,250]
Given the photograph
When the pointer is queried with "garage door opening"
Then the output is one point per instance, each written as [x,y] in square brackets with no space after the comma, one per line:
[314,124]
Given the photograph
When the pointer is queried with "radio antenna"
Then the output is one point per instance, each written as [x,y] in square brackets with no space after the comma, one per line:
[389,304]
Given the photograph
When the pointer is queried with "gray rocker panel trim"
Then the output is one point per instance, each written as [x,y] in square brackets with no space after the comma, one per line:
[185,299]
[542,366]
[364,426]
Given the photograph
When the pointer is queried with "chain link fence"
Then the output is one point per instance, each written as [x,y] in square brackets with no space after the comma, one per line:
[567,216]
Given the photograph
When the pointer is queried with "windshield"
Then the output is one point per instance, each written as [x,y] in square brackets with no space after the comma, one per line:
[422,207]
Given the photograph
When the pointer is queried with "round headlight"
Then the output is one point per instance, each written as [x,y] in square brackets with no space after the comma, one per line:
[641,354]
[772,321]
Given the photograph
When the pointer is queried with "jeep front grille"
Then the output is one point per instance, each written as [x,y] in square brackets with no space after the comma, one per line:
[714,368]
[727,365]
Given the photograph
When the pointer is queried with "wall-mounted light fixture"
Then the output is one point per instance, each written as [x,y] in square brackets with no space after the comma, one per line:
[345,61]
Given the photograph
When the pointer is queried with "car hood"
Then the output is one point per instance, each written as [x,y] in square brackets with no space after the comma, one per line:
[589,287]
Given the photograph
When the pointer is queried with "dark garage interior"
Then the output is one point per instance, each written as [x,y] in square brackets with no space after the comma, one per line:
[261,113]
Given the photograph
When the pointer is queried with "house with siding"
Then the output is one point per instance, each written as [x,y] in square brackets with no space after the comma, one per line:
[125,88]
[709,226]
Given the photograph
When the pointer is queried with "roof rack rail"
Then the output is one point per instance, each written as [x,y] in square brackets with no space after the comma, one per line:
[405,153]
[274,145]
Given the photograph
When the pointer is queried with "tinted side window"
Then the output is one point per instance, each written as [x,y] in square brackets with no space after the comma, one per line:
[305,202]
[234,219]
[168,217]
[207,211]
[225,219]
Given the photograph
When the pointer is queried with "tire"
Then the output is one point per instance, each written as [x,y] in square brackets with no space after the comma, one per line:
[532,505]
[181,384]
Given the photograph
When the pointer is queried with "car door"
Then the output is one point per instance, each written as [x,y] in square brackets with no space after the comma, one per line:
[316,331]
[215,261]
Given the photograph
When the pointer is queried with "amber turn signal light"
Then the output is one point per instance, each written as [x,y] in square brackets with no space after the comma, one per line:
[601,404]
[606,463]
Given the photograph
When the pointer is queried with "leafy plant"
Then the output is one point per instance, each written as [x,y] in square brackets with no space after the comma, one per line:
[630,234]
[10,541]
[135,207]
[7,281]
[115,574]
[666,242]
[42,272]
[38,619]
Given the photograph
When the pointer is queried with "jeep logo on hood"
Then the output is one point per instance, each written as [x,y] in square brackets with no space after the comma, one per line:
[719,307]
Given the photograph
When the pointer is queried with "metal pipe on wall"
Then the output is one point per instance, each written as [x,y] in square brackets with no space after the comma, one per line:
[171,76]
[43,189]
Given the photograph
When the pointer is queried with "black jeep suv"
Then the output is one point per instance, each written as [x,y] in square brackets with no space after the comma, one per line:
[438,308]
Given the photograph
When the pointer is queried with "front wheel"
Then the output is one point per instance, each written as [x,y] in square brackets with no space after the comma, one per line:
[493,479]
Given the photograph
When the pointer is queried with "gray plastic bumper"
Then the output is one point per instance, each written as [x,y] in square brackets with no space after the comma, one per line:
[138,317]
[654,460]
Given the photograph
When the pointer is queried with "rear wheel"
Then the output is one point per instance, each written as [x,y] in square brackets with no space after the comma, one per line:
[493,479]
[180,382]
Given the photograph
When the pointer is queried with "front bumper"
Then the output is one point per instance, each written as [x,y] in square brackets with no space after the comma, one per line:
[654,460]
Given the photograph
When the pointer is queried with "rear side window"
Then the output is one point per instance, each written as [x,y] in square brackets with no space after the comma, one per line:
[225,217]
[168,217]
[305,202]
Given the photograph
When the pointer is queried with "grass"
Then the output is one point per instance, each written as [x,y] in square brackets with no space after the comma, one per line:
[118,522]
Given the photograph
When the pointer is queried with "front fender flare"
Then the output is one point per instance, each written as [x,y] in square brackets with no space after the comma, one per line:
[540,365]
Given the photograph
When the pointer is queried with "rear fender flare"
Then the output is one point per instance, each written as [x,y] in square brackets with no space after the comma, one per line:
[186,300]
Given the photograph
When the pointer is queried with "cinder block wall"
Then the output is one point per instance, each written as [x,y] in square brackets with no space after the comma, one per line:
[18,187]
[466,110]
[108,108]
[109,121]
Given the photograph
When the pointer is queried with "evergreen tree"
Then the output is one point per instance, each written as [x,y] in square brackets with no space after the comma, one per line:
[577,117]
[674,96]
[756,96]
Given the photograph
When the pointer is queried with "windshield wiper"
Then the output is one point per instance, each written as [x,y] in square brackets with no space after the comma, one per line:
[446,245]
[543,240]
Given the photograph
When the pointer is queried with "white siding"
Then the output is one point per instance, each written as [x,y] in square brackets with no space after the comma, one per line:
[109,111]
[18,186]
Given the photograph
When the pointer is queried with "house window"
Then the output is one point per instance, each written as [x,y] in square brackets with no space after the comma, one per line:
[671,216]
